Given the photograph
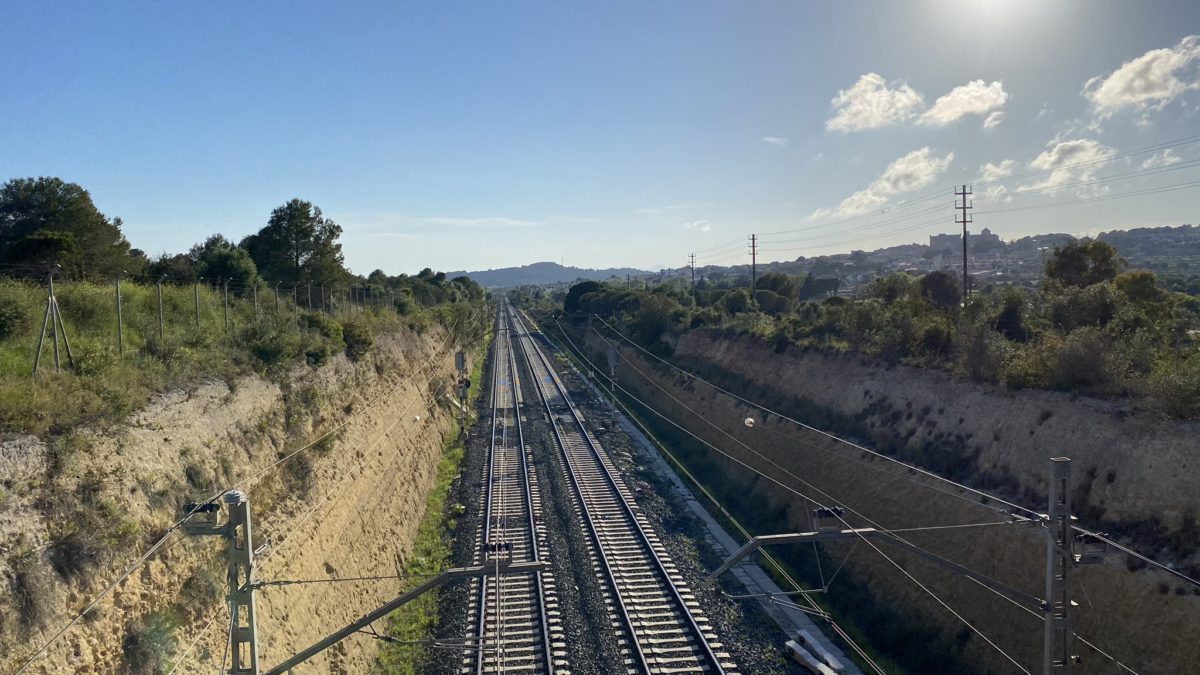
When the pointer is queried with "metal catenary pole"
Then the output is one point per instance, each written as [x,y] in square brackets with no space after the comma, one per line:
[1060,558]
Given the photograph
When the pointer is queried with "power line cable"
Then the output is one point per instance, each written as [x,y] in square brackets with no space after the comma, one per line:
[1191,164]
[1099,160]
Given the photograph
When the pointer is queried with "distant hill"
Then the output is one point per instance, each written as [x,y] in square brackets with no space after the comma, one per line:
[543,273]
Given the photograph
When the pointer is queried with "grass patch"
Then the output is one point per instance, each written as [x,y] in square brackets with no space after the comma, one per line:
[431,554]
[104,385]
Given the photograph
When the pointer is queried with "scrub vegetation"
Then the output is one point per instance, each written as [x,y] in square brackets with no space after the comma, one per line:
[1091,327]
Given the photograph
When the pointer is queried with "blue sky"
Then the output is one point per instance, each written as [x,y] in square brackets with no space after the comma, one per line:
[478,135]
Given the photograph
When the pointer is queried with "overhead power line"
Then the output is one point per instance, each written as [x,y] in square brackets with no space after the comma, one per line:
[1092,162]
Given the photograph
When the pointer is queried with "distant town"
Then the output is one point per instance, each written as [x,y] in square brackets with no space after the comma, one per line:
[1172,253]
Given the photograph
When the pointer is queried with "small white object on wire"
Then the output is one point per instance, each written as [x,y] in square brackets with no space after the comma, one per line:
[749,422]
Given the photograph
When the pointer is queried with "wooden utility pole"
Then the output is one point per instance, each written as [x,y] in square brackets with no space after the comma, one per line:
[962,204]
[692,266]
[753,265]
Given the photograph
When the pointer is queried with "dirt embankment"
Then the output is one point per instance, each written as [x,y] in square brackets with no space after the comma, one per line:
[1133,474]
[74,514]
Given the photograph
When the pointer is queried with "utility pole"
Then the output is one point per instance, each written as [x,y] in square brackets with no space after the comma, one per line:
[962,204]
[692,266]
[753,265]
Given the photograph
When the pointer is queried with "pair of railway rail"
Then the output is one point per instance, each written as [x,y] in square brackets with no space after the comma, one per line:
[659,625]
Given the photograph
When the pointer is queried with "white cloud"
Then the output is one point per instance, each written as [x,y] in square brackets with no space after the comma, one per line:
[991,172]
[871,103]
[776,140]
[993,120]
[701,225]
[972,98]
[1061,161]
[1161,159]
[911,172]
[1148,82]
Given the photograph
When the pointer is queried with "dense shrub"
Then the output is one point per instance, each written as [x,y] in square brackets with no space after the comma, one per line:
[148,644]
[359,339]
[1175,383]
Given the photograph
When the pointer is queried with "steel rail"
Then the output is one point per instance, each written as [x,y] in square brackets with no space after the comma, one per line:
[648,546]
[503,351]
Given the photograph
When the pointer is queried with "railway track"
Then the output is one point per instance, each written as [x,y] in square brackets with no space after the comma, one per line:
[513,618]
[663,629]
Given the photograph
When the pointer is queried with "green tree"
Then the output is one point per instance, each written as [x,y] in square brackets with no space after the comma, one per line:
[178,267]
[219,258]
[51,220]
[1140,286]
[736,301]
[941,290]
[780,284]
[1083,263]
[298,244]
[571,303]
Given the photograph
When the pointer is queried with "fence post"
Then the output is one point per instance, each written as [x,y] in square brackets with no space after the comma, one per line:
[254,291]
[310,296]
[196,298]
[276,296]
[160,311]
[323,307]
[226,295]
[120,327]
